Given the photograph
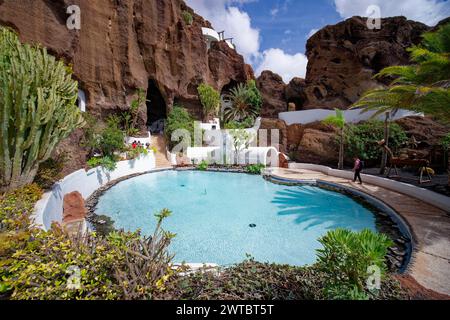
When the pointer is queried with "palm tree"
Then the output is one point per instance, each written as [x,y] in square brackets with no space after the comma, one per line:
[240,108]
[422,87]
[338,121]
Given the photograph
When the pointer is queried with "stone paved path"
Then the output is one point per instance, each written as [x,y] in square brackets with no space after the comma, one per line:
[430,226]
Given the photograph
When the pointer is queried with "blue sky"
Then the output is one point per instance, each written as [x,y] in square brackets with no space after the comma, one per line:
[272,34]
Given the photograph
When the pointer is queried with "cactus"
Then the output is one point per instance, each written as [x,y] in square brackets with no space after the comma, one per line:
[37,108]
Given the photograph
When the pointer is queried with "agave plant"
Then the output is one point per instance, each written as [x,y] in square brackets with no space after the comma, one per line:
[240,107]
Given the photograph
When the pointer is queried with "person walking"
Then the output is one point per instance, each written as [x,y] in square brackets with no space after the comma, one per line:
[357,169]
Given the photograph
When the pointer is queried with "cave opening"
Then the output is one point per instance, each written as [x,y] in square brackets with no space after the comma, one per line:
[156,108]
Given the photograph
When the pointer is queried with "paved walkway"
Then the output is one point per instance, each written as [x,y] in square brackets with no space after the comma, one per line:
[430,227]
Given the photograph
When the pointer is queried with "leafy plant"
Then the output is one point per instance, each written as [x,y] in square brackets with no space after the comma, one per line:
[245,124]
[362,139]
[129,118]
[37,98]
[345,259]
[136,152]
[187,17]
[338,121]
[210,100]
[241,140]
[106,162]
[111,139]
[202,166]
[255,168]
[245,101]
[179,119]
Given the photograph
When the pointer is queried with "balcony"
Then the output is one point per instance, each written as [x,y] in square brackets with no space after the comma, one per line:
[212,35]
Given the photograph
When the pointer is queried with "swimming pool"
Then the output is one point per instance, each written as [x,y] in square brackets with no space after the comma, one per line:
[223,217]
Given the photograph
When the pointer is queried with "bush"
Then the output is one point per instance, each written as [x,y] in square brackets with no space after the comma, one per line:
[361,139]
[41,265]
[179,119]
[50,171]
[254,97]
[255,168]
[187,17]
[345,259]
[202,166]
[107,163]
[210,100]
[111,139]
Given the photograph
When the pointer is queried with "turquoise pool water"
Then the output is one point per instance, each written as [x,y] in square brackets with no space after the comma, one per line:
[212,214]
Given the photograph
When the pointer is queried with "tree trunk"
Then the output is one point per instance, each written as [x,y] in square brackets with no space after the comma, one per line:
[384,156]
[341,151]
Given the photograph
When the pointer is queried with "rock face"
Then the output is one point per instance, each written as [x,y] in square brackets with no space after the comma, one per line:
[342,59]
[272,89]
[128,44]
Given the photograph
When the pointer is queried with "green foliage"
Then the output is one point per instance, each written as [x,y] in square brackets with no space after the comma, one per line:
[129,118]
[246,102]
[423,86]
[361,139]
[179,119]
[337,120]
[50,171]
[255,168]
[111,139]
[37,264]
[202,166]
[241,139]
[345,259]
[210,100]
[245,124]
[187,17]
[136,152]
[37,99]
[254,97]
[108,163]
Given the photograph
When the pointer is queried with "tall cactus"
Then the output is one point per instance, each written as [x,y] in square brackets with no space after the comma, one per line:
[37,108]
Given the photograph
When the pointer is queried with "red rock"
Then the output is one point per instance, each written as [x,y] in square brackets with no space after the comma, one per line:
[73,208]
[272,88]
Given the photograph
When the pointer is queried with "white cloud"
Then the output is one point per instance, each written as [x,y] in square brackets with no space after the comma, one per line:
[286,65]
[227,15]
[429,12]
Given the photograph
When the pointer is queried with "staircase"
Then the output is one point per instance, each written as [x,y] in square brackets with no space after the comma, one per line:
[159,142]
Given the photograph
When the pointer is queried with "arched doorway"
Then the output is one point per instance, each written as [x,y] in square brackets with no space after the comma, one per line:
[156,108]
[81,100]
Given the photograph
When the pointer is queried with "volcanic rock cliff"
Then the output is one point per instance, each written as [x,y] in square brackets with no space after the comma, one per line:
[128,44]
[342,60]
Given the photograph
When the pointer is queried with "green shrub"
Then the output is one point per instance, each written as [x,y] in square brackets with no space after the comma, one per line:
[111,139]
[210,100]
[179,118]
[245,124]
[107,163]
[136,152]
[202,166]
[254,97]
[255,168]
[361,139]
[187,17]
[119,266]
[345,259]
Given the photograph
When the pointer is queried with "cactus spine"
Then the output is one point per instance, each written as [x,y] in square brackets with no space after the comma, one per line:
[37,108]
